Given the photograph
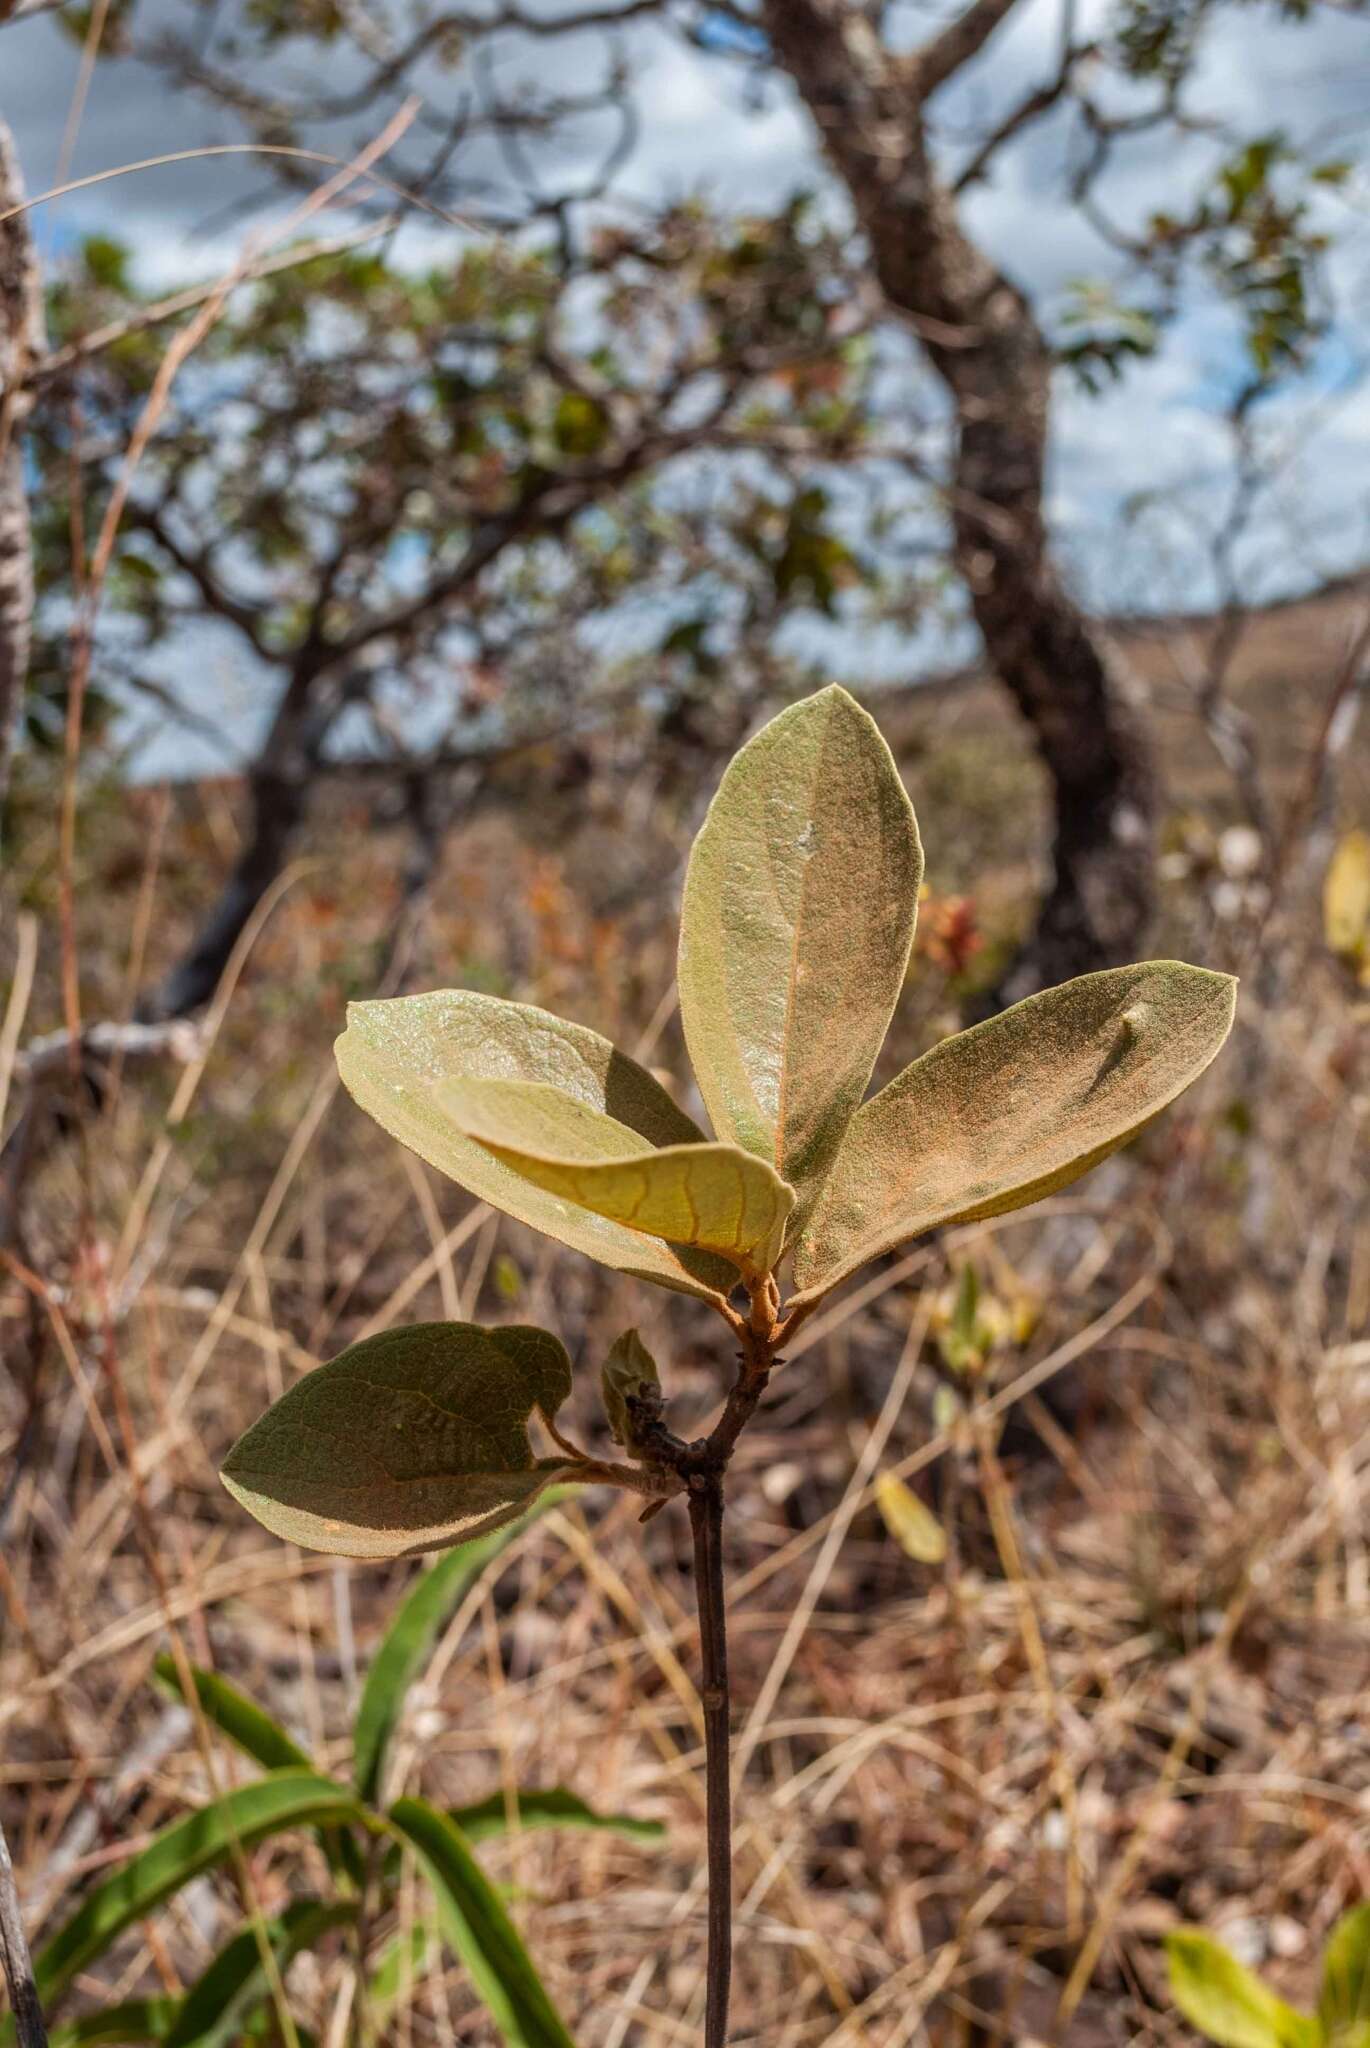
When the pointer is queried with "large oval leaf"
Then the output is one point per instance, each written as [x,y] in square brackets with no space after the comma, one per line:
[393,1053]
[716,1197]
[1013,1109]
[408,1441]
[795,931]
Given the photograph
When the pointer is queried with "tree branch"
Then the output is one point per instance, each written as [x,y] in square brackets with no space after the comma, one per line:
[960,41]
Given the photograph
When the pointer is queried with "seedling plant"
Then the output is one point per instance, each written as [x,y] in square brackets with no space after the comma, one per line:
[796,929]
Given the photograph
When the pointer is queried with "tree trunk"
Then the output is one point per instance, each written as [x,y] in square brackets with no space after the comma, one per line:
[984,343]
[21,342]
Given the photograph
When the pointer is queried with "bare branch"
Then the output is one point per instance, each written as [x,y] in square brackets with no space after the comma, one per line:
[957,44]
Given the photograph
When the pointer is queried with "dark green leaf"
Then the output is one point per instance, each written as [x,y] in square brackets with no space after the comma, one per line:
[407,1442]
[214,2009]
[237,1717]
[477,1926]
[140,2019]
[286,1799]
[552,1809]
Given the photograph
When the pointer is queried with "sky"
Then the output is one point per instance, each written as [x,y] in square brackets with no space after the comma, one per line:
[713,125]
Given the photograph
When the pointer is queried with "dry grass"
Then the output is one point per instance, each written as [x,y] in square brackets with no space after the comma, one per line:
[972,1797]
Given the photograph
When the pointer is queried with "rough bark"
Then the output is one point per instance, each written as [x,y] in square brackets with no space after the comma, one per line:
[21,343]
[982,339]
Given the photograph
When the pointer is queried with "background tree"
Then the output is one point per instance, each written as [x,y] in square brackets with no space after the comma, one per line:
[421,481]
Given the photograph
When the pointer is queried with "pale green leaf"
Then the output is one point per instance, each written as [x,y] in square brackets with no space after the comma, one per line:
[1013,1109]
[408,1441]
[476,1924]
[629,1373]
[1344,2000]
[798,917]
[394,1053]
[1229,2005]
[914,1527]
[716,1197]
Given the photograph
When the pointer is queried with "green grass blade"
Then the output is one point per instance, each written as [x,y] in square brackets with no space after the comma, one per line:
[214,2009]
[236,1716]
[411,1636]
[398,1971]
[479,1929]
[140,2019]
[286,1799]
[556,1808]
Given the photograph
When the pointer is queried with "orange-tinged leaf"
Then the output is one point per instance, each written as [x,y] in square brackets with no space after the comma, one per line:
[1013,1109]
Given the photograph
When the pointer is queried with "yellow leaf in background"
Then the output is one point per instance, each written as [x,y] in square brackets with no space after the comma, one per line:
[1346,898]
[915,1528]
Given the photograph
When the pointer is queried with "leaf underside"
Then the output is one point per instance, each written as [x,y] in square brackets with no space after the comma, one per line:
[407,1442]
[1013,1109]
[394,1053]
[715,1197]
[797,921]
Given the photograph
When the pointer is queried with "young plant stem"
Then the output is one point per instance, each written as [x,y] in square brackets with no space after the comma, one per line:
[706,1524]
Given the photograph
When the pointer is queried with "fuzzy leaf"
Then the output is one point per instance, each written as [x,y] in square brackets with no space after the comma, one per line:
[1344,2000]
[795,932]
[1013,1109]
[716,1197]
[394,1053]
[1222,1998]
[406,1442]
[628,1372]
[914,1527]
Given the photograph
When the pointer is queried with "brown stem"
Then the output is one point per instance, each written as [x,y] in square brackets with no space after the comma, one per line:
[14,1952]
[706,1523]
